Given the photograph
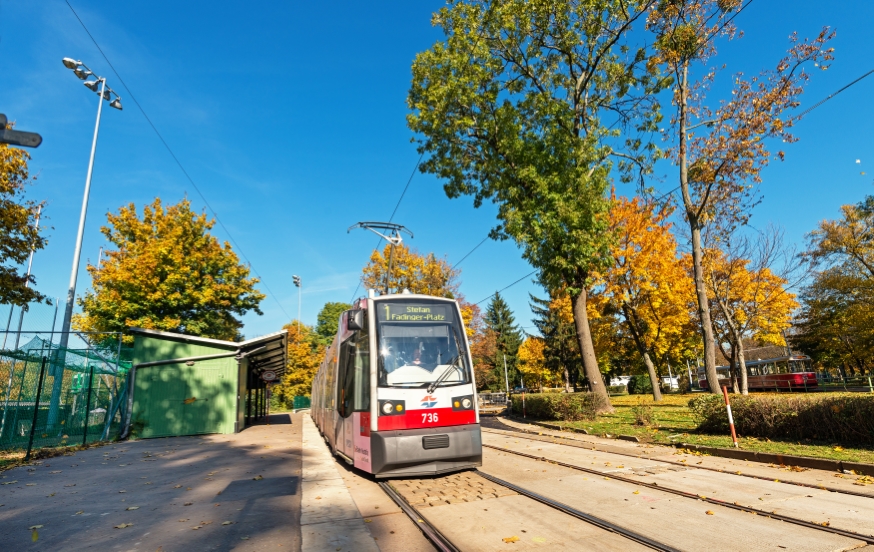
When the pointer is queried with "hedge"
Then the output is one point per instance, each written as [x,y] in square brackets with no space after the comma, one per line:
[559,406]
[829,417]
[640,385]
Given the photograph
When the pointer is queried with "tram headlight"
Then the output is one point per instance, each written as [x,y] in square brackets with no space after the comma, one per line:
[462,403]
[387,407]
[392,407]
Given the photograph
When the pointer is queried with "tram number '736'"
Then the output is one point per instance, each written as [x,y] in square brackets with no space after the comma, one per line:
[430,417]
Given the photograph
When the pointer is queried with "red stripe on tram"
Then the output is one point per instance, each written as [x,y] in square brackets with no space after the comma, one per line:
[428,417]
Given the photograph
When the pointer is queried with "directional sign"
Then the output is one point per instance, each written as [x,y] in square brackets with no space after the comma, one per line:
[16,137]
[268,375]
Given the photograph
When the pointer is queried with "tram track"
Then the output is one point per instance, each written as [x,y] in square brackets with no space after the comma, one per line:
[444,544]
[869,539]
[578,443]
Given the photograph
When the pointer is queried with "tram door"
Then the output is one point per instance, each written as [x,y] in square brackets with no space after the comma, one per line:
[353,391]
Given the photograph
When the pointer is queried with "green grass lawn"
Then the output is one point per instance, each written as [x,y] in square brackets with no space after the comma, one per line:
[674,422]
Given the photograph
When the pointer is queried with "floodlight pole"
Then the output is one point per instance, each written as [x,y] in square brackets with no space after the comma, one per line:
[57,371]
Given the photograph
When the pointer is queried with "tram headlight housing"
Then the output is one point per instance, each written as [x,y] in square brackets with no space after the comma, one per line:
[391,408]
[462,403]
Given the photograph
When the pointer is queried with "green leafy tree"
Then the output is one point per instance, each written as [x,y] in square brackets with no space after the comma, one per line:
[561,350]
[167,273]
[328,319]
[532,104]
[305,354]
[18,233]
[500,322]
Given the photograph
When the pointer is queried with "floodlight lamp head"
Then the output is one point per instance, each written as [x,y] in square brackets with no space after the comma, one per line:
[71,63]
[93,85]
[82,73]
[116,103]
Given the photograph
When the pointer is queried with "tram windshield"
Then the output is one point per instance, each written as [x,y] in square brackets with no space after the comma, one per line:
[420,342]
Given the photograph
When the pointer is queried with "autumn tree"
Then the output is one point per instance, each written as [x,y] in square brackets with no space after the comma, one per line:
[328,320]
[305,354]
[721,151]
[648,284]
[531,105]
[554,319]
[836,322]
[419,273]
[532,363]
[167,272]
[18,233]
[747,280]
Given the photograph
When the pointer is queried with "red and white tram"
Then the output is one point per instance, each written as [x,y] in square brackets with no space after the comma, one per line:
[395,395]
[793,373]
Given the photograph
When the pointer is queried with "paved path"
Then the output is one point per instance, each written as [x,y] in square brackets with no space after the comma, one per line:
[217,492]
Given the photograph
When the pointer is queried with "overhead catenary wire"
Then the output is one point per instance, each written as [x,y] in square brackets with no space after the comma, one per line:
[506,287]
[179,163]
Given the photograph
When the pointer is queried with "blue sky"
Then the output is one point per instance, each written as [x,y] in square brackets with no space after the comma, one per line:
[289,116]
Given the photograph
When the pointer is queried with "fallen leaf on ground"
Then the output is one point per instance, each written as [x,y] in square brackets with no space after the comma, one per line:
[188,504]
[258,478]
[183,520]
[177,487]
[636,492]
[227,523]
[133,508]
[79,512]
[123,525]
[514,538]
[709,512]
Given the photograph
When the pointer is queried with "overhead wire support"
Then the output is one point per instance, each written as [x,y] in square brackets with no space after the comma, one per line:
[394,238]
[178,163]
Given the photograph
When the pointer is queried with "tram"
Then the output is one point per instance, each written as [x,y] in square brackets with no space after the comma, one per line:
[395,394]
[793,373]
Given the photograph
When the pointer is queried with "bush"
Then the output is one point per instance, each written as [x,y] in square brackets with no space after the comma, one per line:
[617,389]
[568,407]
[833,417]
[639,385]
[643,415]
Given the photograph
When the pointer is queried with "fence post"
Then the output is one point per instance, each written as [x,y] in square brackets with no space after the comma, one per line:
[42,372]
[87,406]
[523,404]
[870,388]
[730,419]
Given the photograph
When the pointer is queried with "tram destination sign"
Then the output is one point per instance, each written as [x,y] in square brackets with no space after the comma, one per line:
[412,312]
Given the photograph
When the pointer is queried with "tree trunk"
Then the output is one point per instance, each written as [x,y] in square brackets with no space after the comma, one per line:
[733,363]
[631,320]
[567,380]
[742,366]
[587,349]
[653,377]
[697,253]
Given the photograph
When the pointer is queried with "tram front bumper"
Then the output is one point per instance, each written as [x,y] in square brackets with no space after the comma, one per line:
[403,452]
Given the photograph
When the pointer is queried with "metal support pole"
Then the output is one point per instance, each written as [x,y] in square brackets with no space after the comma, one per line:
[8,323]
[71,292]
[689,371]
[299,292]
[88,406]
[391,254]
[42,373]
[506,380]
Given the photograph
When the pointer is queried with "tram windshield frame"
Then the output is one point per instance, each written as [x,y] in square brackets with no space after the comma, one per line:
[420,341]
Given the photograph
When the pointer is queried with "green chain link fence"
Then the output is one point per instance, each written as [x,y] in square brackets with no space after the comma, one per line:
[51,396]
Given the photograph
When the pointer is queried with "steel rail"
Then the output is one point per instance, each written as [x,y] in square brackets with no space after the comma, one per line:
[547,439]
[655,486]
[437,538]
[598,522]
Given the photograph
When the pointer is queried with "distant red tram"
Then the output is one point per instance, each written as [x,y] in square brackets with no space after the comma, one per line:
[792,373]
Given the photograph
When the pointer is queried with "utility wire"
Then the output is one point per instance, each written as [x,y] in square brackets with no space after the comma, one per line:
[471,251]
[507,287]
[391,218]
[176,159]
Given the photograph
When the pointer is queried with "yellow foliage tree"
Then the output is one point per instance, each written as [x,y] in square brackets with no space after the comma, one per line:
[425,274]
[649,285]
[531,362]
[305,354]
[752,300]
[167,273]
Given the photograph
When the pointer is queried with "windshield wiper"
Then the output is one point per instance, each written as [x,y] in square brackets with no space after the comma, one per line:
[449,369]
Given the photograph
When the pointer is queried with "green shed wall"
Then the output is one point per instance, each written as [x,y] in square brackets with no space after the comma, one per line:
[162,401]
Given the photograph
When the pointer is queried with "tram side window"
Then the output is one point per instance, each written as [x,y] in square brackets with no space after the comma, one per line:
[354,375]
[361,393]
[782,367]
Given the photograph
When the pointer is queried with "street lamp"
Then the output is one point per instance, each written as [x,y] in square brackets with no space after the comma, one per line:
[296,280]
[83,72]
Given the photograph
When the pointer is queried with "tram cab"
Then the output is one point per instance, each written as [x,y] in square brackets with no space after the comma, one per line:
[395,395]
